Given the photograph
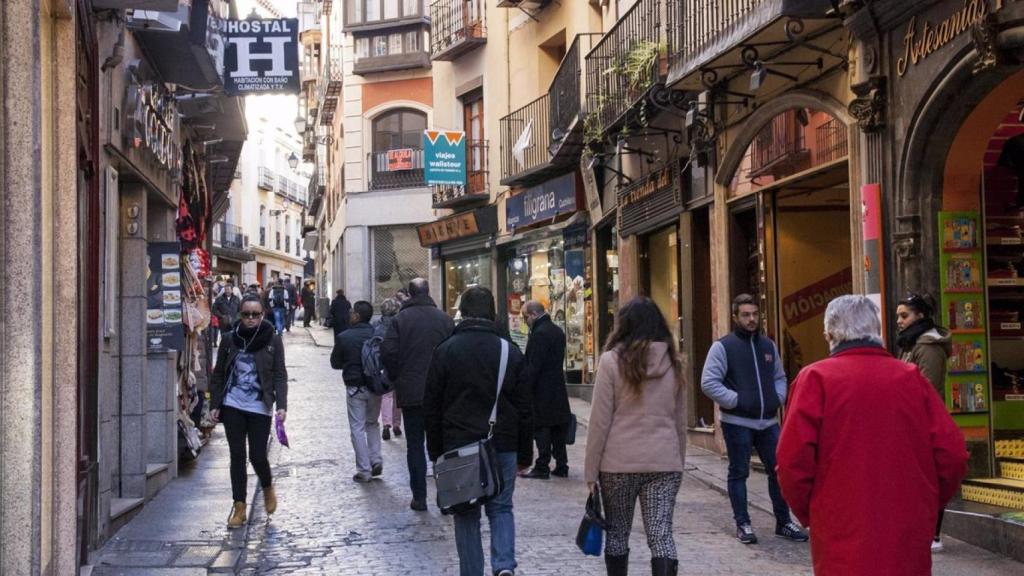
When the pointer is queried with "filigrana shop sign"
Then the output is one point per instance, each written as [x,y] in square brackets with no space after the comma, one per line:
[922,41]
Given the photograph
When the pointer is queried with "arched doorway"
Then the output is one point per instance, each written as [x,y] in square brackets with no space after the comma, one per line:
[789,227]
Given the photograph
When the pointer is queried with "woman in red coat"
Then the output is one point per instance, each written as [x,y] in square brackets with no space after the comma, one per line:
[868,453]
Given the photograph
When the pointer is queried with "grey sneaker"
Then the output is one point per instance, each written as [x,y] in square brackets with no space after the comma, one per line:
[791,531]
[377,470]
[362,478]
[745,533]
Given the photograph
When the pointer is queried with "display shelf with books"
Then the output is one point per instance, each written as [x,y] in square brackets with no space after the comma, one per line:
[963,308]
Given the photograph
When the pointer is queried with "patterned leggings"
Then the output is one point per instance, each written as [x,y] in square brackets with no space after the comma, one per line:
[657,492]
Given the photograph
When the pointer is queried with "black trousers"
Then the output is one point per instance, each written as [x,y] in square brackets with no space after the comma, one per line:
[307,316]
[240,426]
[416,446]
[551,441]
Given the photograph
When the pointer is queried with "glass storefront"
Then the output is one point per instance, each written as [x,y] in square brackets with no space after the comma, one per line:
[461,273]
[545,271]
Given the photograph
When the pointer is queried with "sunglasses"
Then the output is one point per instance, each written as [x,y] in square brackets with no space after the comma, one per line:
[251,314]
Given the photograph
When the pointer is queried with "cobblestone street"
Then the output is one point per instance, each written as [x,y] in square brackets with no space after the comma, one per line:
[327,524]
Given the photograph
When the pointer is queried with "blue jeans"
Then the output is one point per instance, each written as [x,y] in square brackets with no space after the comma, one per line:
[279,314]
[740,441]
[503,527]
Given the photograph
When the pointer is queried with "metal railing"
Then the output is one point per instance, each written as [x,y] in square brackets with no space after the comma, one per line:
[329,86]
[693,24]
[230,236]
[830,142]
[263,236]
[567,87]
[476,188]
[386,171]
[455,22]
[525,137]
[626,62]
[780,141]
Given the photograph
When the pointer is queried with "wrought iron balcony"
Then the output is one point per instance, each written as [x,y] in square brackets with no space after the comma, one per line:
[230,236]
[476,188]
[700,32]
[831,142]
[456,27]
[402,168]
[629,61]
[330,85]
[780,148]
[545,138]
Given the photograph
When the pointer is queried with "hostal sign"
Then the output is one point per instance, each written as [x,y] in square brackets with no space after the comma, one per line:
[261,56]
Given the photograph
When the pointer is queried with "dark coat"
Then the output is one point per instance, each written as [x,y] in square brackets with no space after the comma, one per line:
[545,373]
[337,317]
[460,389]
[308,299]
[226,308]
[868,457]
[409,345]
[347,354]
[270,366]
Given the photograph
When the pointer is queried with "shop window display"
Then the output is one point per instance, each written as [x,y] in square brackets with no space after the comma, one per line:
[461,274]
[553,276]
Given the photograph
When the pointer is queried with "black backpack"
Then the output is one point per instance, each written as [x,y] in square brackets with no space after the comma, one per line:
[377,381]
[278,297]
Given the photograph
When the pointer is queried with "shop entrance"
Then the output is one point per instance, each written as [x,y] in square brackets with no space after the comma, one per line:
[789,233]
[698,322]
[660,264]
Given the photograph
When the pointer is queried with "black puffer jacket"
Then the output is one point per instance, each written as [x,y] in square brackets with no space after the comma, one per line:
[347,354]
[459,397]
[409,345]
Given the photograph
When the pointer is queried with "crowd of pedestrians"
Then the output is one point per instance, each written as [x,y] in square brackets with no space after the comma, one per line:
[412,372]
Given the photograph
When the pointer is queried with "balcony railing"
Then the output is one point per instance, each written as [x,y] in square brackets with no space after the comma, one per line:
[263,235]
[230,236]
[396,169]
[779,148]
[701,22]
[626,63]
[476,188]
[545,138]
[330,85]
[830,142]
[265,178]
[457,26]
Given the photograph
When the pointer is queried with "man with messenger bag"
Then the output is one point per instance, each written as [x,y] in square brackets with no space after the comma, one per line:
[479,434]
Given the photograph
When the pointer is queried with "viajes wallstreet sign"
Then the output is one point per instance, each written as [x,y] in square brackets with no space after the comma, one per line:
[261,56]
[922,41]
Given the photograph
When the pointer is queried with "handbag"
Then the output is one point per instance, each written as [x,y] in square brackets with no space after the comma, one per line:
[590,536]
[470,475]
[570,430]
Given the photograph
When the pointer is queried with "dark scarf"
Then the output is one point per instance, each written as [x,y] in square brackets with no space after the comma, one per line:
[907,338]
[849,344]
[253,340]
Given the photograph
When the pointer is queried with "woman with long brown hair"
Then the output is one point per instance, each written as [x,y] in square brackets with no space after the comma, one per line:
[636,440]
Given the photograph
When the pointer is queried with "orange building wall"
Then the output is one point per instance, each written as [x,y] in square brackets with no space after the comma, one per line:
[961,187]
[418,89]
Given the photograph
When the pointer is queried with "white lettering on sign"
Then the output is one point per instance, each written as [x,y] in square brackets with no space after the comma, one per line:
[538,204]
[246,56]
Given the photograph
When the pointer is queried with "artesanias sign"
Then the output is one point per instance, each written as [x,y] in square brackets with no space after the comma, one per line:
[261,56]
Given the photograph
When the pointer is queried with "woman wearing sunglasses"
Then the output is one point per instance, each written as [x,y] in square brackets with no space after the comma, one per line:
[249,378]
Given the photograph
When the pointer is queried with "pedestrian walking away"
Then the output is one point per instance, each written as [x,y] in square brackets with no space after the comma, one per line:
[338,315]
[545,374]
[308,296]
[925,344]
[869,454]
[249,378]
[226,308]
[461,392]
[406,353]
[743,374]
[280,303]
[636,439]
[293,303]
[363,405]
[390,412]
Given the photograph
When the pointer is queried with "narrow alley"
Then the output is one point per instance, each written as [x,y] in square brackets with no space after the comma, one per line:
[327,524]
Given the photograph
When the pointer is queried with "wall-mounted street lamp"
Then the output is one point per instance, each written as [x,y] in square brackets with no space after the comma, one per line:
[293,161]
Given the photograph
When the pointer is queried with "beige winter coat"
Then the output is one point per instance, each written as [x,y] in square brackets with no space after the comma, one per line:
[636,434]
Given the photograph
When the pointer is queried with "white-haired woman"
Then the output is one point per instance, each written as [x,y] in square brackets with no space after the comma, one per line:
[868,454]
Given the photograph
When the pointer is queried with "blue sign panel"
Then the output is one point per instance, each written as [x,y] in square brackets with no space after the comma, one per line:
[444,157]
[542,202]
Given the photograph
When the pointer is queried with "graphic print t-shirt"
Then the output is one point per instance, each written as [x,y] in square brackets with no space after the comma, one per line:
[244,386]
